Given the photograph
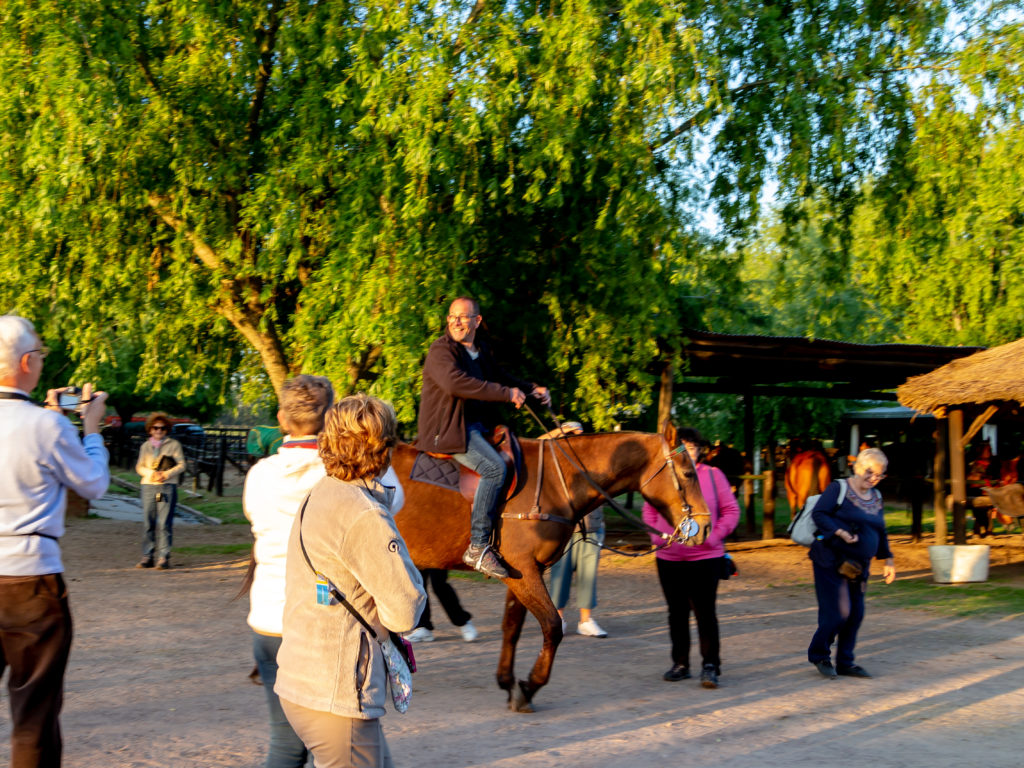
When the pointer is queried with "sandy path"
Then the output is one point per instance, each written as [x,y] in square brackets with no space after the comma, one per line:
[158,675]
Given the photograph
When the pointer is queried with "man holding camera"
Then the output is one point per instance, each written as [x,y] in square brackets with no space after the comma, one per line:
[41,457]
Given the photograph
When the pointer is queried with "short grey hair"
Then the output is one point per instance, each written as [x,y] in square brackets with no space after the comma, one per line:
[17,336]
[867,456]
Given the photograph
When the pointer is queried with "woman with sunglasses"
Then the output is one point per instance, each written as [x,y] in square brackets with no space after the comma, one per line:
[850,532]
[161,464]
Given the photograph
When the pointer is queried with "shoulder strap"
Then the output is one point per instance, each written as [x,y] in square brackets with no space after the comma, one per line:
[842,491]
[14,396]
[335,592]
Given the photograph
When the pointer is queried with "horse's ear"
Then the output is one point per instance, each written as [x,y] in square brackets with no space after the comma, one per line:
[669,432]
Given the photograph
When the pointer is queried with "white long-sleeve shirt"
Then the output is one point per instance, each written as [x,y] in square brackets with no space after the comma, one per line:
[274,490]
[41,456]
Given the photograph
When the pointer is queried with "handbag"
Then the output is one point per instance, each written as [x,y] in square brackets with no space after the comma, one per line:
[727,567]
[166,462]
[397,651]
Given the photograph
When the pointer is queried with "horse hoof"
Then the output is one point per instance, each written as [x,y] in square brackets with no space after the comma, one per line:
[518,701]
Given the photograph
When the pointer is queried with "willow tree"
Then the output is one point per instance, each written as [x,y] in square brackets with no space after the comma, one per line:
[315,180]
[941,246]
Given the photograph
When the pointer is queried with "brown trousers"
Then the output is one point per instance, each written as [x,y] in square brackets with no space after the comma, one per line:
[35,639]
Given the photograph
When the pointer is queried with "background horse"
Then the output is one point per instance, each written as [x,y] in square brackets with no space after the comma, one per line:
[435,523]
[807,474]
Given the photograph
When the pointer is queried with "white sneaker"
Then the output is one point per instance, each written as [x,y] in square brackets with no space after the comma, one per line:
[420,635]
[565,627]
[590,628]
[468,631]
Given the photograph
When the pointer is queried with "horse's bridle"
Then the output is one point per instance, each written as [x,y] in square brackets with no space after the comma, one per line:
[687,527]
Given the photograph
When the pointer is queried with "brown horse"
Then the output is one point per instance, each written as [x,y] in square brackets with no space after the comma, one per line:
[435,523]
[807,474]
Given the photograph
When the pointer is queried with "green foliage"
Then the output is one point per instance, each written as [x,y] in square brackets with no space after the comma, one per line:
[941,246]
[312,182]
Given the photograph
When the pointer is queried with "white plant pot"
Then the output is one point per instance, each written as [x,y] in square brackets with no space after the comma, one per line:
[958,563]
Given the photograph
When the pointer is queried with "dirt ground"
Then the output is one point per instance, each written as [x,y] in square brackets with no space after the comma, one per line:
[158,673]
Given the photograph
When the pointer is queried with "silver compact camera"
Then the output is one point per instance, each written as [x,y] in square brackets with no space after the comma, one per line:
[70,399]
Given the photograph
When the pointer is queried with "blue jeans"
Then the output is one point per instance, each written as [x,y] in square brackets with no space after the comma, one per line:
[159,519]
[286,748]
[582,557]
[840,613]
[481,457]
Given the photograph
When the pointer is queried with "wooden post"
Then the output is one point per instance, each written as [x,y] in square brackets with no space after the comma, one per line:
[748,501]
[939,480]
[748,447]
[222,455]
[916,508]
[768,521]
[958,475]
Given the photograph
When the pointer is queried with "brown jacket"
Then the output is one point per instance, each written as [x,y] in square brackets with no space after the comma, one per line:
[447,386]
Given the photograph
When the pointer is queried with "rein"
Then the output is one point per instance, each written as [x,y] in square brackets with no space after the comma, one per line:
[683,531]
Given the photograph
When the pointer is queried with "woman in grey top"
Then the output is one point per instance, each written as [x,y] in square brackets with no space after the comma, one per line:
[332,679]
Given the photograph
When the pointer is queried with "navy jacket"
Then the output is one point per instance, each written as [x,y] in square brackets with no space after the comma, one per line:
[829,550]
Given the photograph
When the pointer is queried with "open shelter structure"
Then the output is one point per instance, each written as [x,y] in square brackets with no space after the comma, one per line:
[978,387]
[752,365]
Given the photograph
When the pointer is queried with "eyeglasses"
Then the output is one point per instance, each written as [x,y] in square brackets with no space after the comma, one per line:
[43,351]
[157,428]
[461,318]
[872,475]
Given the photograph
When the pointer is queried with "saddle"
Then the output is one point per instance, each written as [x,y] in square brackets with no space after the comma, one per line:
[442,470]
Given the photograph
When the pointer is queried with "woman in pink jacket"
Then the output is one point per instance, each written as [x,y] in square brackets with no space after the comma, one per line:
[689,575]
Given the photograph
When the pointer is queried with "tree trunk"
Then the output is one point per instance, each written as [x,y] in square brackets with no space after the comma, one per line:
[269,347]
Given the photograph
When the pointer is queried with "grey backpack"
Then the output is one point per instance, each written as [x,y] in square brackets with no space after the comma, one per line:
[801,529]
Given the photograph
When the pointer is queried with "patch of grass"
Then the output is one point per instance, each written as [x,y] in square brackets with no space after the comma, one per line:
[125,474]
[982,599]
[214,549]
[228,509]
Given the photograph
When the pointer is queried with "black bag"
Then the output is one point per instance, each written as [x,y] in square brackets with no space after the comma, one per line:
[166,463]
[727,567]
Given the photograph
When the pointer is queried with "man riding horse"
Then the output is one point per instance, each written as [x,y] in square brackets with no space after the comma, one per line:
[460,381]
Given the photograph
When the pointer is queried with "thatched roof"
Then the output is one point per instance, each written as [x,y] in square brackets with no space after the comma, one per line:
[991,376]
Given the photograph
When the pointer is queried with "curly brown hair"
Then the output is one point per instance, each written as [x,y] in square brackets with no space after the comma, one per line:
[156,416]
[359,433]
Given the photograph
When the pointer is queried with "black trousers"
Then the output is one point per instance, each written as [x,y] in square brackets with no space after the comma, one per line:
[438,579]
[692,585]
[35,639]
